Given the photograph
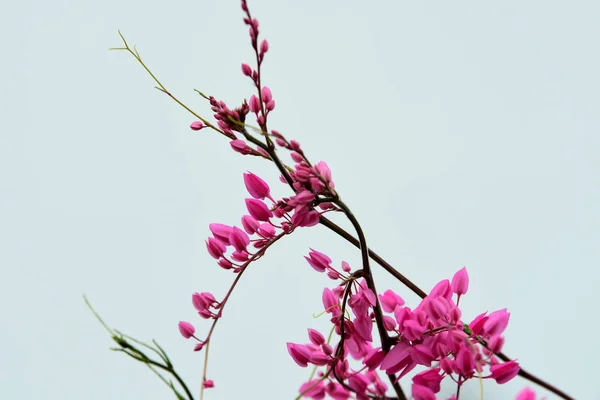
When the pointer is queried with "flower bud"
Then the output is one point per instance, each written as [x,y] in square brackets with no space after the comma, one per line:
[187,330]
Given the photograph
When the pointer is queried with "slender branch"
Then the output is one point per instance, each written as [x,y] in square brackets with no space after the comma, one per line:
[368,275]
[386,266]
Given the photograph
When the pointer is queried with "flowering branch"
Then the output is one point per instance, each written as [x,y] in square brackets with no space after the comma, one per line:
[432,335]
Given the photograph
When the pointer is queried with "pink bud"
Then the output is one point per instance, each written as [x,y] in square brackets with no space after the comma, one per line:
[225,264]
[297,157]
[264,46]
[250,224]
[240,256]
[187,330]
[199,346]
[316,337]
[239,146]
[196,125]
[246,70]
[221,232]
[256,186]
[209,383]
[460,282]
[266,95]
[270,106]
[254,104]
[323,170]
[215,248]
[442,288]
[346,266]
[304,197]
[389,323]
[504,372]
[436,307]
[258,209]
[238,239]
[464,362]
[333,274]
[319,358]
[299,353]
[266,231]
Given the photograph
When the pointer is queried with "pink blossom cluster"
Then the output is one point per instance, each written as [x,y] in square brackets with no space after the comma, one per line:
[431,335]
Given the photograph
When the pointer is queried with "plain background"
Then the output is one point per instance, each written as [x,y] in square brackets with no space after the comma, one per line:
[460,133]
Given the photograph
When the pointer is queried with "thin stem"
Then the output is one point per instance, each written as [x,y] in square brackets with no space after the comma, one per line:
[255,256]
[364,250]
[386,266]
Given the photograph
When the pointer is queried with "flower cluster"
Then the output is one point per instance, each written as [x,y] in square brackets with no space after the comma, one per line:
[431,335]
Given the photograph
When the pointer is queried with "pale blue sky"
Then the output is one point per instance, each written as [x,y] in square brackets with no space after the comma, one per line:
[460,133]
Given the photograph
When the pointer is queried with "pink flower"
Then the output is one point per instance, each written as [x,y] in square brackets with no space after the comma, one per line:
[504,372]
[430,378]
[221,232]
[215,248]
[358,383]
[187,330]
[363,325]
[239,239]
[256,186]
[496,322]
[374,358]
[460,282]
[196,125]
[313,389]
[323,170]
[526,394]
[299,353]
[390,300]
[258,209]
[266,230]
[203,301]
[476,326]
[250,224]
[319,261]
[305,217]
[422,393]
[464,362]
